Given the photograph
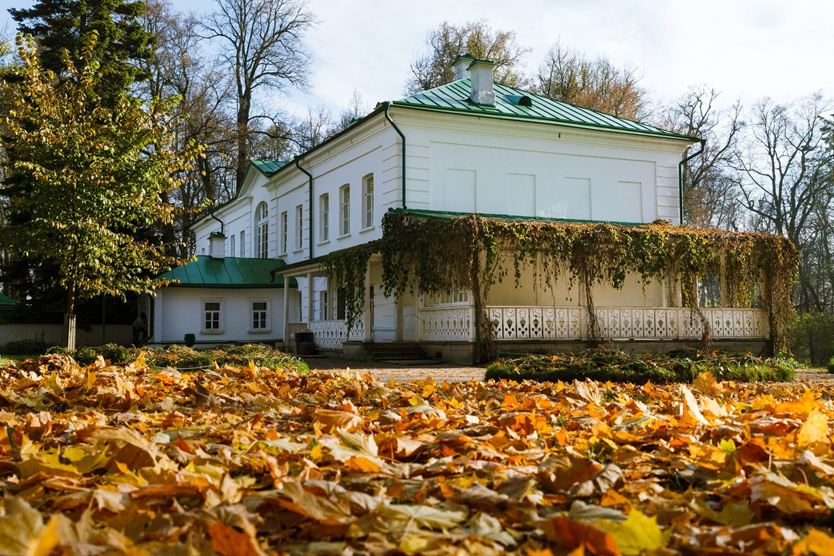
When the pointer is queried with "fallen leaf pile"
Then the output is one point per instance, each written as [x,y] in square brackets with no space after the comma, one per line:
[246,461]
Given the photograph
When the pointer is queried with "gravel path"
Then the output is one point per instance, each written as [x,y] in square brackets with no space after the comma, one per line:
[462,373]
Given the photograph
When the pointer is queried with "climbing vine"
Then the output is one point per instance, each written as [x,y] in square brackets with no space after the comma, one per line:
[426,255]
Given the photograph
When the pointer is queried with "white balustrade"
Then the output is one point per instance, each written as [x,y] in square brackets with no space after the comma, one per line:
[448,324]
[569,323]
[331,334]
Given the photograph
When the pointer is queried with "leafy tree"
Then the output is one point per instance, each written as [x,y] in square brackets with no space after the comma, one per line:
[261,47]
[66,25]
[569,76]
[92,174]
[476,38]
[710,191]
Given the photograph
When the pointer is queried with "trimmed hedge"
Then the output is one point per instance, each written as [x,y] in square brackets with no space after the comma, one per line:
[185,358]
[681,365]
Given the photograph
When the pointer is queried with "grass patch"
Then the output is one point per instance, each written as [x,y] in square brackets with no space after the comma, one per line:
[680,365]
[188,359]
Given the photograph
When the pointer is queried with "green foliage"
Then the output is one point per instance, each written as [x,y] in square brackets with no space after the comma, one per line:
[89,176]
[471,252]
[682,365]
[25,347]
[184,358]
[813,339]
[62,29]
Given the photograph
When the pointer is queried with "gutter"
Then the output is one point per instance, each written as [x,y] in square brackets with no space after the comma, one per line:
[400,133]
[310,192]
[680,176]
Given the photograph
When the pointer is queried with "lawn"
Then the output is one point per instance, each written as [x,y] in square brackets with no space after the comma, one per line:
[257,460]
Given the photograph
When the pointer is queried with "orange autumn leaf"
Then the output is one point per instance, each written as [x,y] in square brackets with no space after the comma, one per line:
[573,534]
[230,542]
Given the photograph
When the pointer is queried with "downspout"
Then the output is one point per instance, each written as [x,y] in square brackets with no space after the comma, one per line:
[211,213]
[310,192]
[400,133]
[680,176]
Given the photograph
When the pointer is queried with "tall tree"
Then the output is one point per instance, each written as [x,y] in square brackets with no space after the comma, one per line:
[477,38]
[66,25]
[261,47]
[91,175]
[710,192]
[178,68]
[784,173]
[569,76]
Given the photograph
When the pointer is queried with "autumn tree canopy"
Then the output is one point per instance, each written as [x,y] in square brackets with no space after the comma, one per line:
[89,174]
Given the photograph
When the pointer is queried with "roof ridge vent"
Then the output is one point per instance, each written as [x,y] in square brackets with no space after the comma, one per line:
[482,87]
[519,100]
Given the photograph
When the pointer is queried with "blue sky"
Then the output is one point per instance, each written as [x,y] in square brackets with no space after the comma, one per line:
[745,48]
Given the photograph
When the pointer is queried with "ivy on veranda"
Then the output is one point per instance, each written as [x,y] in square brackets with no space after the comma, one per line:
[471,252]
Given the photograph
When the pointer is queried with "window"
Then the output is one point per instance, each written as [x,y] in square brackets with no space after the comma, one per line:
[242,244]
[232,246]
[299,227]
[259,315]
[340,304]
[368,201]
[344,210]
[323,306]
[324,215]
[212,313]
[261,231]
[283,232]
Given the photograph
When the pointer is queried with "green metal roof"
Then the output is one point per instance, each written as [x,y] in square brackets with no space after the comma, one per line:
[231,272]
[6,301]
[268,167]
[511,103]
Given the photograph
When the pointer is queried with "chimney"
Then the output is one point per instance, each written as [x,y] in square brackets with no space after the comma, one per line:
[480,75]
[217,245]
[461,65]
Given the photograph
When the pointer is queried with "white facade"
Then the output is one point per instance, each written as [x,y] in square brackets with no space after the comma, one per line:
[460,164]
[252,315]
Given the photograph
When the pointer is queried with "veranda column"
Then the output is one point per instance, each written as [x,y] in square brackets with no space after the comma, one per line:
[286,312]
[309,299]
[367,310]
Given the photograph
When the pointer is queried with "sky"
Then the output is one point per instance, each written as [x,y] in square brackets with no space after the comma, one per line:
[746,49]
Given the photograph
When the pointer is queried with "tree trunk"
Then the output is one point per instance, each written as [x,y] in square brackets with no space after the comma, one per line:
[68,332]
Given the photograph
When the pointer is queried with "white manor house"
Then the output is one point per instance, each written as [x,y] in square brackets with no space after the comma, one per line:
[471,146]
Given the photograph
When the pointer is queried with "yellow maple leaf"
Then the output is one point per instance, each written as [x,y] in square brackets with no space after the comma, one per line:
[813,430]
[635,535]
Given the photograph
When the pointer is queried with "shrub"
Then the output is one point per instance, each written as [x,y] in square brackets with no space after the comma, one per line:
[25,347]
[813,339]
[682,365]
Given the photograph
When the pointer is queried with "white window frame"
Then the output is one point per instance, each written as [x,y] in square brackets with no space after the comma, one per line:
[262,231]
[344,210]
[204,316]
[324,218]
[243,243]
[284,232]
[266,316]
[232,246]
[368,202]
[299,227]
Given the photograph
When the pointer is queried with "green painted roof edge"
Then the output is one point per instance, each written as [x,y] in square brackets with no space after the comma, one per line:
[446,215]
[7,301]
[480,110]
[268,167]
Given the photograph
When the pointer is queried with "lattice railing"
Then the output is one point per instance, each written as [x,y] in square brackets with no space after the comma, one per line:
[568,323]
[331,334]
[453,324]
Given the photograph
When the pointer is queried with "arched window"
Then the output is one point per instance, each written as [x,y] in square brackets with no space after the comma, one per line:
[262,231]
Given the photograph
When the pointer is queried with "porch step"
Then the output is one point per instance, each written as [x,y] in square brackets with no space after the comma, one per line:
[397,352]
